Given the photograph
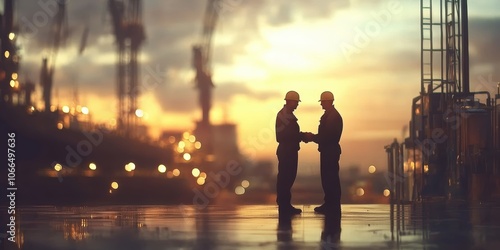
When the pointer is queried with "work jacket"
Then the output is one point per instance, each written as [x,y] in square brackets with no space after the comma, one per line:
[288,133]
[329,131]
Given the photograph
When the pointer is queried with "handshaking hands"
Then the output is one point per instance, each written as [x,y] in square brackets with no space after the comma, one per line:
[307,137]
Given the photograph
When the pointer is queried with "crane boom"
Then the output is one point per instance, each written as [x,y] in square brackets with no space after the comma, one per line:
[59,32]
[209,23]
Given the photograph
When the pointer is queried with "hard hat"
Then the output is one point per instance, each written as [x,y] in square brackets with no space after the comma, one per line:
[292,96]
[326,96]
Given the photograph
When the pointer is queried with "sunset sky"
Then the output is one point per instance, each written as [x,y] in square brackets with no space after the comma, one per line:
[367,52]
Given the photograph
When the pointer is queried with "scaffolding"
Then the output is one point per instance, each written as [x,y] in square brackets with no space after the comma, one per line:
[451,148]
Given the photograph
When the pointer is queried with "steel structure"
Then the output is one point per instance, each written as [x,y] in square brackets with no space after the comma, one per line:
[8,57]
[450,151]
[129,35]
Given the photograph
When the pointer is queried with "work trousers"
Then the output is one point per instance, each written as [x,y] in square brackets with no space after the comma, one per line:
[330,180]
[287,172]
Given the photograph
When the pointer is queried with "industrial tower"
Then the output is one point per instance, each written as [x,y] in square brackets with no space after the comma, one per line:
[129,35]
[8,57]
[203,78]
[202,60]
[58,32]
[453,144]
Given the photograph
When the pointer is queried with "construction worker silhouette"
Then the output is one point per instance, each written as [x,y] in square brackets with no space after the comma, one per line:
[330,236]
[288,136]
[328,137]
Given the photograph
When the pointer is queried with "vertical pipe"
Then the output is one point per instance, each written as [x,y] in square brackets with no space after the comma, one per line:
[496,128]
[422,88]
[390,159]
[401,170]
[465,46]
[403,182]
[8,16]
[389,151]
[442,54]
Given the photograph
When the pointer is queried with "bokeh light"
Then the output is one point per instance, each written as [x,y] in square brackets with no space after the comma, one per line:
[239,190]
[360,191]
[245,183]
[162,168]
[195,172]
[176,172]
[387,192]
[58,167]
[372,169]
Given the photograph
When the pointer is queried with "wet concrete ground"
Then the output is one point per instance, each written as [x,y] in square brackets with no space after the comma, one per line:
[373,226]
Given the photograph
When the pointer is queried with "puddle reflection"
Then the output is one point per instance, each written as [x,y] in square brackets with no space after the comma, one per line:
[330,236]
[421,226]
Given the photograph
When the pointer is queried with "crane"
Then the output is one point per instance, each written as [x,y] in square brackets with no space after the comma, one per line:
[201,61]
[129,35]
[203,77]
[59,33]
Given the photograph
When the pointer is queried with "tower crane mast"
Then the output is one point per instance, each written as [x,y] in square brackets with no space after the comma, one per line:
[129,35]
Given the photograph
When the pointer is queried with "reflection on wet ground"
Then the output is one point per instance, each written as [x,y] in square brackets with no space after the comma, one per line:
[373,226]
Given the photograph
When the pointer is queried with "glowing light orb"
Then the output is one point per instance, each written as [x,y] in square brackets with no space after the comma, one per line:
[245,183]
[387,192]
[176,172]
[196,172]
[162,168]
[360,191]
[239,190]
[58,167]
[372,169]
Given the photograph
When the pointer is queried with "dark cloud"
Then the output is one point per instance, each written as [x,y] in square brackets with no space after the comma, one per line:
[173,26]
[167,57]
[321,8]
[225,92]
[484,38]
[100,81]
[35,19]
[177,98]
[172,12]
[180,98]
[280,12]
